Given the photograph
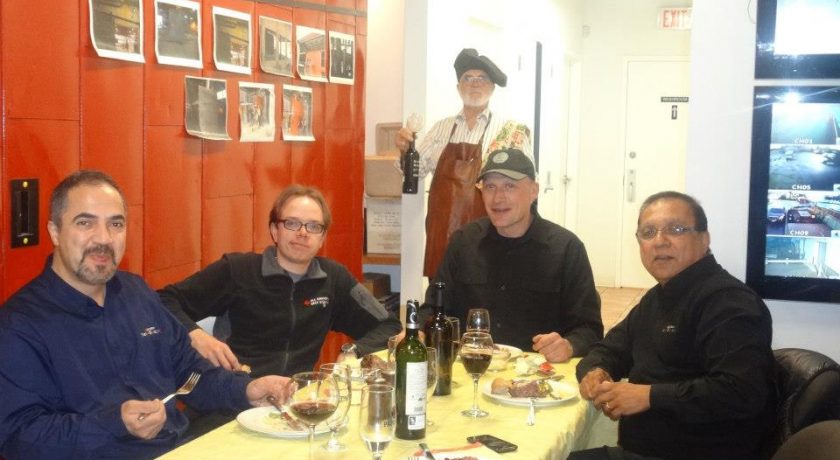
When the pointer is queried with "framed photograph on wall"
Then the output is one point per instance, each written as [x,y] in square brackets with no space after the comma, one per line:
[276,53]
[206,111]
[311,54]
[793,244]
[178,33]
[797,39]
[232,40]
[116,29]
[297,113]
[342,58]
[256,112]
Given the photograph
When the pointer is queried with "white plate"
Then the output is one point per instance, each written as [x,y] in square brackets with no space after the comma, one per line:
[267,420]
[514,352]
[568,392]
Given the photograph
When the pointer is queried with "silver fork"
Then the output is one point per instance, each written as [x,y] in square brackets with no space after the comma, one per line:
[184,389]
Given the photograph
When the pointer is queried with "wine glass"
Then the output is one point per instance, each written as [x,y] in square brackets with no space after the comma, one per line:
[414,122]
[476,353]
[343,377]
[314,399]
[431,378]
[377,417]
[478,320]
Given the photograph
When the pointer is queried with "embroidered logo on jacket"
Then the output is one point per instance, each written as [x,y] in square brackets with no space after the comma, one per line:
[669,329]
[151,330]
[317,302]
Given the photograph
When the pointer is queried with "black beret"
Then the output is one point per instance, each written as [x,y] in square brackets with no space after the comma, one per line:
[468,59]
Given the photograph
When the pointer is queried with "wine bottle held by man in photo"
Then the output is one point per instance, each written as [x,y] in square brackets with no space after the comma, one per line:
[411,378]
[439,335]
[411,158]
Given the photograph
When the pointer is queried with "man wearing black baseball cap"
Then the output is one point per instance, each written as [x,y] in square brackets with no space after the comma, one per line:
[533,275]
[455,148]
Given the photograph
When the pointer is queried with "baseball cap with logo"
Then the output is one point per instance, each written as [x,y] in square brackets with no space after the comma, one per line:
[510,163]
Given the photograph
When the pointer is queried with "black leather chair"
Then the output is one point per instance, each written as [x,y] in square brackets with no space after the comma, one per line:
[820,441]
[808,385]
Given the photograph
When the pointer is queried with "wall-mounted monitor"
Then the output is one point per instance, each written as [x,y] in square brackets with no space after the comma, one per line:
[798,39]
[793,247]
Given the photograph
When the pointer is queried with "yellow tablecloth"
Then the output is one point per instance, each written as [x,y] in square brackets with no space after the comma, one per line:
[560,429]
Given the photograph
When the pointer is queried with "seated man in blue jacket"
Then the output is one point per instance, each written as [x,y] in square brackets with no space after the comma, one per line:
[281,303]
[87,351]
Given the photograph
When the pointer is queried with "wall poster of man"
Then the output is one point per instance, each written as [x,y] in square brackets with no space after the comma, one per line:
[297,113]
[178,33]
[276,46]
[116,29]
[342,57]
[256,112]
[206,111]
[232,40]
[311,54]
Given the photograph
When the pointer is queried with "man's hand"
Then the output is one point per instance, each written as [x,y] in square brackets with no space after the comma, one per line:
[591,383]
[214,350]
[616,399]
[554,347]
[403,137]
[271,390]
[143,419]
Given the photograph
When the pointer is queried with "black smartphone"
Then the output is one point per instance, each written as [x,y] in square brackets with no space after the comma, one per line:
[493,443]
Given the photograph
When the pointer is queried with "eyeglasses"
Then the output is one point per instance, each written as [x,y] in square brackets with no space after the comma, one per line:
[482,79]
[295,225]
[649,233]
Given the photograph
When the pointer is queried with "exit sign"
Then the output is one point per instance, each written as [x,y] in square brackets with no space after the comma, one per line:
[674,18]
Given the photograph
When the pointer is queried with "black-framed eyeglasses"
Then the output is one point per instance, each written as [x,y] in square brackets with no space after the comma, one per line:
[649,233]
[311,227]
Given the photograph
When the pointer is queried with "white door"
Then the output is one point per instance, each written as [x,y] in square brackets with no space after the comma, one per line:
[655,138]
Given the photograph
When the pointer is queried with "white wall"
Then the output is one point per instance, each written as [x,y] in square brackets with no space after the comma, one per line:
[718,161]
[383,67]
[615,30]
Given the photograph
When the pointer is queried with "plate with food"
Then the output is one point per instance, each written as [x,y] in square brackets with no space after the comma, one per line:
[518,392]
[514,352]
[269,420]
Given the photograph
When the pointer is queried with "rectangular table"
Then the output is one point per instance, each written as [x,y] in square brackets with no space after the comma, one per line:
[571,425]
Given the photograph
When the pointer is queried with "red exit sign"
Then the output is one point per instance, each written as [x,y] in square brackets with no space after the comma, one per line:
[674,18]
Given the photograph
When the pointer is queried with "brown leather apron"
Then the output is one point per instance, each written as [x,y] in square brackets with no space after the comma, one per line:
[453,198]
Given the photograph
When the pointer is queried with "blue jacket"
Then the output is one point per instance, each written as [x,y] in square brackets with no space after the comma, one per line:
[67,365]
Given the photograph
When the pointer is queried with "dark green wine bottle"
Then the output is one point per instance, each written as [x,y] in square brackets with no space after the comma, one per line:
[439,336]
[411,378]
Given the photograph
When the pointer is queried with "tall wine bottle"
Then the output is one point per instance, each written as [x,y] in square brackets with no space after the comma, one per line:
[411,169]
[439,335]
[412,371]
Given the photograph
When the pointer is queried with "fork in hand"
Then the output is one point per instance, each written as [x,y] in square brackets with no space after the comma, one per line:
[186,388]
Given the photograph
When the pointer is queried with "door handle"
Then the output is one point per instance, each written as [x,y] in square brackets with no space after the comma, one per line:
[630,185]
[548,186]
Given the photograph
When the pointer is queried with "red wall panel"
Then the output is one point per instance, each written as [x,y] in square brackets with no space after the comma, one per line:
[190,200]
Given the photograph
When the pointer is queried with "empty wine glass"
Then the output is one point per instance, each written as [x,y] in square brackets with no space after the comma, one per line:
[343,377]
[313,400]
[414,122]
[478,320]
[476,353]
[377,417]
[431,378]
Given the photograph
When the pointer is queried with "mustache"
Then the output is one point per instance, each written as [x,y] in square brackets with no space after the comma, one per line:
[99,249]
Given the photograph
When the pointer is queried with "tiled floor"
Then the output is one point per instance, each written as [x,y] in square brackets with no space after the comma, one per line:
[616,302]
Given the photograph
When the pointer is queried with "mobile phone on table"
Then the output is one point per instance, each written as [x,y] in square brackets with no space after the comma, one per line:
[493,443]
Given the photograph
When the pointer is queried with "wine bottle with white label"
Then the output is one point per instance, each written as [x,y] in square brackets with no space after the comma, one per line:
[410,357]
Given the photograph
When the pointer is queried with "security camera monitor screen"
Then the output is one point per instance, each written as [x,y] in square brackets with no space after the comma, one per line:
[794,228]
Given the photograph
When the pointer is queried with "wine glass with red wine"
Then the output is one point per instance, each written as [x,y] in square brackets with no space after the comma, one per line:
[314,399]
[476,353]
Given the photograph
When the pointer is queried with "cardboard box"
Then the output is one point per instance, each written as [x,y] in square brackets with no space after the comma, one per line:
[382,178]
[379,284]
[382,225]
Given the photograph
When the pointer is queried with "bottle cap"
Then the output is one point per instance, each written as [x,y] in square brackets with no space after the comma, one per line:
[411,320]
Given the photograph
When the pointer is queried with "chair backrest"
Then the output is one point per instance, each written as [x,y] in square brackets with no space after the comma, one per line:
[808,386]
[820,441]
